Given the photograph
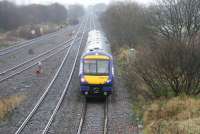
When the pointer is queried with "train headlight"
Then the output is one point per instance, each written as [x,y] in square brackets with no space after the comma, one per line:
[83,80]
[108,81]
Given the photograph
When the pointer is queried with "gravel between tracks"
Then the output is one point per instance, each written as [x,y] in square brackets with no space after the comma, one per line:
[42,115]
[32,86]
[67,119]
[94,118]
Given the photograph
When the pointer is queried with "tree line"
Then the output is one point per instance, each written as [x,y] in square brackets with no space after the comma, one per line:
[166,36]
[12,16]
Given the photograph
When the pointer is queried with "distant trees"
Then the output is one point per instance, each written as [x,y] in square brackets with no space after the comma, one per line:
[57,13]
[12,16]
[9,16]
[75,11]
[125,23]
[99,8]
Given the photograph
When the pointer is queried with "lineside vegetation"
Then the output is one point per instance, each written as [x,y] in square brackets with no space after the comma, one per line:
[165,62]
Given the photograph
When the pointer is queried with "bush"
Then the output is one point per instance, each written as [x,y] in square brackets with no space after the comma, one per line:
[170,69]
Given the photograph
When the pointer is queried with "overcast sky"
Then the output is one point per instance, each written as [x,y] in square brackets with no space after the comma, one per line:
[67,2]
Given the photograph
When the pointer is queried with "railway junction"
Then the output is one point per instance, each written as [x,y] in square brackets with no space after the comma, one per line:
[45,70]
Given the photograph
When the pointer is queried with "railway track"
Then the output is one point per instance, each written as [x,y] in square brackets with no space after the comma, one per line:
[31,62]
[10,72]
[51,99]
[94,115]
[28,43]
[93,18]
[90,23]
[94,118]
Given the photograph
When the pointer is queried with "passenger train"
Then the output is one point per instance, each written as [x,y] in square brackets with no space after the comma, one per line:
[96,66]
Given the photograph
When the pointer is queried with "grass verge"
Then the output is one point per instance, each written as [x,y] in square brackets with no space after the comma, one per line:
[178,115]
[8,104]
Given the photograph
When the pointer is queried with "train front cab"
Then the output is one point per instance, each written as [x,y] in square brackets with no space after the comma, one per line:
[96,75]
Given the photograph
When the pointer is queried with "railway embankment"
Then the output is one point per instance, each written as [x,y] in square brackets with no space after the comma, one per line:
[156,114]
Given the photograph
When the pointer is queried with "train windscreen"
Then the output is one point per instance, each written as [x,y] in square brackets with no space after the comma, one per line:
[96,67]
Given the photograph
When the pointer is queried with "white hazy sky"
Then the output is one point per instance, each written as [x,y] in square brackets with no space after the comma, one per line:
[67,2]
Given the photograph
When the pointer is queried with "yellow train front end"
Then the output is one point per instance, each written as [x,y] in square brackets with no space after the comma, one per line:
[96,75]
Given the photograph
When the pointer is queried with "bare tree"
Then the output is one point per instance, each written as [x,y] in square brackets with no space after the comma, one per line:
[172,65]
[177,20]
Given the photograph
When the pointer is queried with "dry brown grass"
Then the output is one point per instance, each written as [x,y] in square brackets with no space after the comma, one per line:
[180,115]
[7,104]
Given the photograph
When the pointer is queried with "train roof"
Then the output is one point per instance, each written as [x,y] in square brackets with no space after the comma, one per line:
[97,42]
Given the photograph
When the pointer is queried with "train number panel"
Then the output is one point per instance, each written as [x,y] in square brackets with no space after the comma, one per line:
[96,66]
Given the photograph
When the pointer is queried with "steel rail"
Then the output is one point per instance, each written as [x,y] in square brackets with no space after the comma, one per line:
[105,129]
[65,89]
[83,114]
[93,21]
[90,23]
[19,130]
